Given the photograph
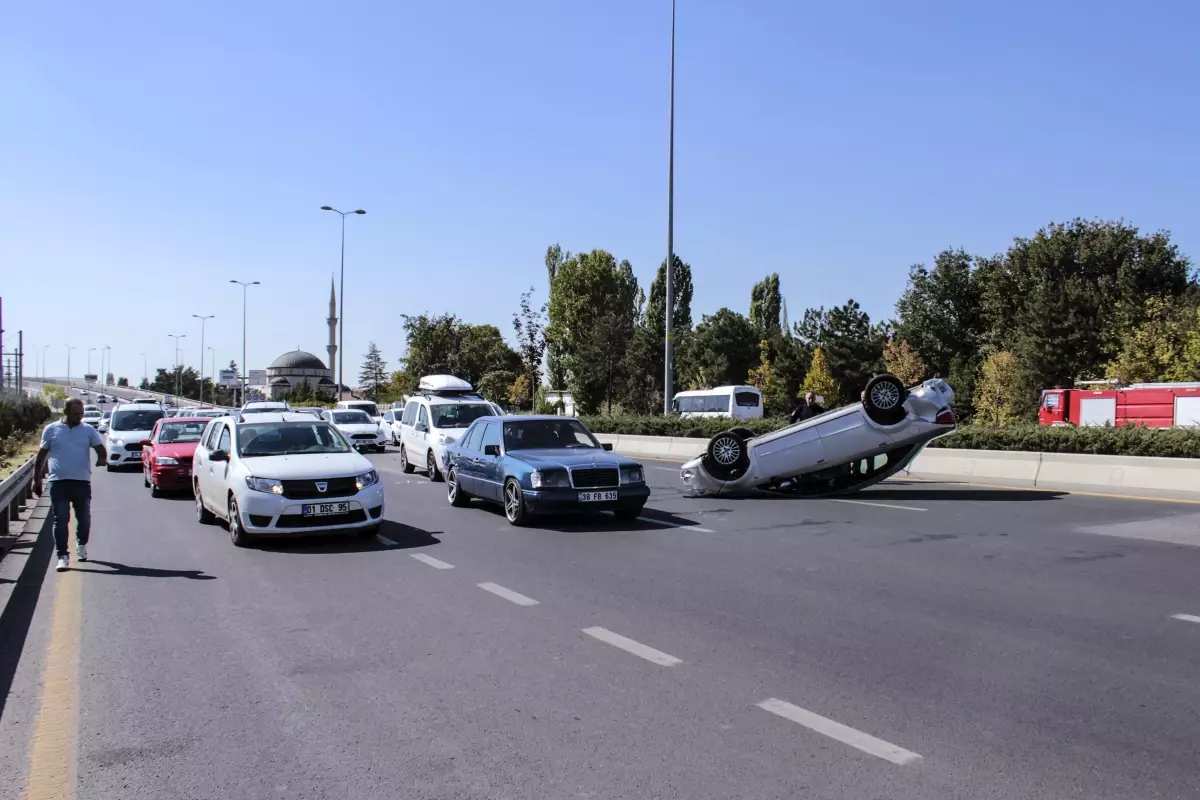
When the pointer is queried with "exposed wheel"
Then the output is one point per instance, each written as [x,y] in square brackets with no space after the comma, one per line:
[726,457]
[514,503]
[745,433]
[884,399]
[154,490]
[629,513]
[431,466]
[457,497]
[405,467]
[237,535]
[203,515]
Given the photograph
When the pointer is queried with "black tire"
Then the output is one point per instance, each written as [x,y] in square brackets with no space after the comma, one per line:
[726,457]
[203,515]
[884,399]
[457,497]
[745,433]
[236,535]
[382,448]
[145,479]
[514,504]
[431,466]
[405,466]
[154,490]
[629,513]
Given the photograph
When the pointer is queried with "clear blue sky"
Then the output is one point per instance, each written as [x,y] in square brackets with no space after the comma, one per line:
[152,151]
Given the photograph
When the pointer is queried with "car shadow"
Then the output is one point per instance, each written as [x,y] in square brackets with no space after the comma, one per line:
[392,536]
[596,522]
[117,568]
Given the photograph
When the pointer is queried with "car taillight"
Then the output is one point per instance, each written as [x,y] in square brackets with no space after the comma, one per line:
[945,417]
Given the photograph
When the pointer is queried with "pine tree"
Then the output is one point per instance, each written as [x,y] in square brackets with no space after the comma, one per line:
[374,375]
[819,379]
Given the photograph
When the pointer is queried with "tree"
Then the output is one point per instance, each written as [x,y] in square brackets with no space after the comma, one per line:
[530,327]
[1155,350]
[766,305]
[819,379]
[593,305]
[903,362]
[495,385]
[373,375]
[556,371]
[721,351]
[520,393]
[122,381]
[776,400]
[940,313]
[850,344]
[1000,395]
[108,380]
[1191,349]
[54,394]
[652,369]
[445,345]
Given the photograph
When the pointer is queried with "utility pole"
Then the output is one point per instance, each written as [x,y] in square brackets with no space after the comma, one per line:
[669,366]
[202,321]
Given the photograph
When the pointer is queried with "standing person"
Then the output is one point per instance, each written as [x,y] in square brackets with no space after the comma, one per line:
[806,410]
[66,444]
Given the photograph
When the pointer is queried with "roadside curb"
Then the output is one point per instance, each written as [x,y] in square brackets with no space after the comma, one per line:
[35,519]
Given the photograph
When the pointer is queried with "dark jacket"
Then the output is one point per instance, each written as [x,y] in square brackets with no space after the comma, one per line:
[804,411]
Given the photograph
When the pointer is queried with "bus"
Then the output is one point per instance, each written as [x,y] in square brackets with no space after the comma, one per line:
[736,402]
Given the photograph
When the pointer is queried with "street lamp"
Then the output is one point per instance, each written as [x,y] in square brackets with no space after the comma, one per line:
[178,367]
[245,372]
[69,349]
[341,298]
[213,380]
[107,352]
[202,319]
[45,347]
[669,367]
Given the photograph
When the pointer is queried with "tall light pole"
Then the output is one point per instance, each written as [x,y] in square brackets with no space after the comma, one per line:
[669,367]
[145,372]
[202,320]
[342,298]
[178,366]
[214,375]
[69,349]
[45,347]
[106,354]
[245,372]
[90,351]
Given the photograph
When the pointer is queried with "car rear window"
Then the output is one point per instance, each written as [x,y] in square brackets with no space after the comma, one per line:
[710,403]
[746,399]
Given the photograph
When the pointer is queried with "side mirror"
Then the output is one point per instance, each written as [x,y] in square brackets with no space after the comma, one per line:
[218,455]
[491,449]
[146,443]
[607,447]
[421,427]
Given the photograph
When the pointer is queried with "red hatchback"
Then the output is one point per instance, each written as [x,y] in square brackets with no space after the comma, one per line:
[167,454]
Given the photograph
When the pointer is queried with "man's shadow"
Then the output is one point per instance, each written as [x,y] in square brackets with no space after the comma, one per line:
[144,572]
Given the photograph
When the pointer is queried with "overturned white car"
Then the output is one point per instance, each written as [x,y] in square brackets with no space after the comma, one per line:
[838,452]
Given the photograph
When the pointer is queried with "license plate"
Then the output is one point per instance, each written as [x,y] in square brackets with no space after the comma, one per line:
[325,509]
[596,497]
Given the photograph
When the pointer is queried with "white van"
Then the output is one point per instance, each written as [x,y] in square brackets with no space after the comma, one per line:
[737,402]
[441,412]
[366,406]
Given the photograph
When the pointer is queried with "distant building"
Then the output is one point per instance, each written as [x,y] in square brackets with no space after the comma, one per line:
[291,370]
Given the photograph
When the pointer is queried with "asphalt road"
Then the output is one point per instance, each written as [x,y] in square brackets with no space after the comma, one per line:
[913,641]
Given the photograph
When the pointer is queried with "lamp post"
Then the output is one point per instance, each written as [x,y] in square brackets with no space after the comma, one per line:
[106,357]
[90,351]
[213,380]
[245,372]
[342,298]
[669,366]
[202,320]
[45,347]
[178,367]
[145,372]
[69,349]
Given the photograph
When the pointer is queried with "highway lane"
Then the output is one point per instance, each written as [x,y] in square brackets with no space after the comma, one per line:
[952,643]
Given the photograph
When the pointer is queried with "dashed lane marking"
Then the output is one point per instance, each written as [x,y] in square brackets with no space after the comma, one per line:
[842,733]
[654,521]
[507,594]
[1186,618]
[879,505]
[436,563]
[637,648]
[385,541]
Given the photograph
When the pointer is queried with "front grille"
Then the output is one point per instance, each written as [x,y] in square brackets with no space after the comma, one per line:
[134,447]
[370,436]
[297,521]
[184,461]
[307,490]
[596,478]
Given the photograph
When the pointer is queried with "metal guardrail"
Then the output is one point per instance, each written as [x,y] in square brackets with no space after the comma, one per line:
[15,490]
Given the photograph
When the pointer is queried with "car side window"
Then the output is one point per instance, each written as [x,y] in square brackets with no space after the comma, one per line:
[491,435]
[421,417]
[210,438]
[410,413]
[387,417]
[224,442]
[474,434]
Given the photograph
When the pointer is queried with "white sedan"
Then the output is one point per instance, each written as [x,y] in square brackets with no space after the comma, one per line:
[391,425]
[837,452]
[359,428]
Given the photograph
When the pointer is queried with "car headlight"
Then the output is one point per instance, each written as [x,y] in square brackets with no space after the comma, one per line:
[366,479]
[165,461]
[268,485]
[686,474]
[545,480]
[632,475]
[116,442]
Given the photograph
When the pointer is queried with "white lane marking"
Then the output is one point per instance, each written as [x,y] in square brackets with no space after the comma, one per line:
[630,646]
[675,525]
[1186,617]
[385,541]
[880,505]
[664,469]
[843,733]
[507,594]
[436,563]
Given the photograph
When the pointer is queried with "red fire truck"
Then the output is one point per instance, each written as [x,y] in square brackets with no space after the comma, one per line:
[1154,405]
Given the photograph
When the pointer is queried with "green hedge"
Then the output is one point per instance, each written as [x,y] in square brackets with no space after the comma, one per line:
[1127,441]
[20,414]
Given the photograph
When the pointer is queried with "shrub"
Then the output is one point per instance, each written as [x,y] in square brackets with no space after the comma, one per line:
[658,425]
[20,414]
[1102,441]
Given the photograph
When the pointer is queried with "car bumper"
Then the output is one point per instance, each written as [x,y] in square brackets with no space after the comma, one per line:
[697,480]
[166,476]
[370,444]
[120,457]
[273,515]
[566,501]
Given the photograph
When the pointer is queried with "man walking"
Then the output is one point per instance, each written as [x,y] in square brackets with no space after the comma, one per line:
[66,444]
[806,410]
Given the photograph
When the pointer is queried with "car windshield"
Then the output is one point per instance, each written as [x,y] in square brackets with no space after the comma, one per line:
[458,415]
[91,414]
[180,432]
[351,418]
[264,410]
[107,414]
[141,420]
[547,434]
[289,438]
[366,408]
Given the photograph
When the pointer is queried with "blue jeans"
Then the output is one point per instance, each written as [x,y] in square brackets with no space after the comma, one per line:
[63,495]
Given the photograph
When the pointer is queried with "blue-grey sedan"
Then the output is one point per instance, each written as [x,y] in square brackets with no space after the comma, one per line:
[541,465]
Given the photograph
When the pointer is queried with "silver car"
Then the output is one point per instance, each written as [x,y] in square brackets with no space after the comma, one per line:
[838,452]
